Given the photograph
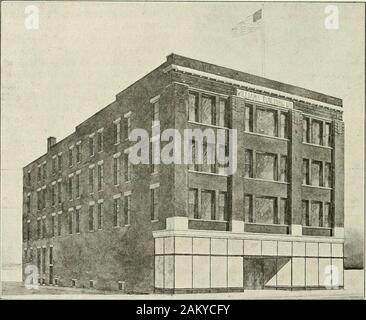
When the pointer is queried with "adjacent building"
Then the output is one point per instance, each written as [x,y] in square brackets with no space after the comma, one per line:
[93,219]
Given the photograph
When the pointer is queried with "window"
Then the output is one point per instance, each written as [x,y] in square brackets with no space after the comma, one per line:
[77,185]
[116,211]
[39,203]
[154,203]
[316,173]
[248,208]
[266,122]
[53,194]
[73,282]
[54,164]
[283,125]
[91,284]
[100,176]
[91,180]
[59,160]
[327,135]
[117,132]
[155,116]
[39,261]
[44,166]
[44,260]
[305,172]
[43,198]
[153,166]
[70,187]
[91,146]
[126,126]
[127,210]
[70,157]
[39,173]
[327,216]
[222,213]
[70,220]
[194,165]
[100,141]
[328,175]
[266,166]
[193,203]
[223,113]
[208,114]
[59,224]
[316,132]
[316,216]
[283,212]
[283,169]
[207,205]
[248,118]
[305,213]
[28,230]
[50,255]
[59,199]
[91,217]
[29,178]
[193,107]
[208,161]
[44,230]
[306,130]
[53,225]
[127,168]
[78,153]
[77,220]
[28,203]
[116,170]
[248,164]
[265,210]
[100,215]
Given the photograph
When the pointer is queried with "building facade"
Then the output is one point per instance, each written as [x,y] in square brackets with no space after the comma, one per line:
[91,218]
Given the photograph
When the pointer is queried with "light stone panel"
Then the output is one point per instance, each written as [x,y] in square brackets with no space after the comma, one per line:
[252,247]
[201,245]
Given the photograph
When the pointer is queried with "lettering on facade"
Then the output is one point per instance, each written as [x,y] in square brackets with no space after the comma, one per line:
[263,99]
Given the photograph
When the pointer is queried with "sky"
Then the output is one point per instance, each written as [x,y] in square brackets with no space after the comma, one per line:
[84,53]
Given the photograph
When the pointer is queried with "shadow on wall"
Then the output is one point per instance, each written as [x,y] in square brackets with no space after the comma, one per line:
[354,250]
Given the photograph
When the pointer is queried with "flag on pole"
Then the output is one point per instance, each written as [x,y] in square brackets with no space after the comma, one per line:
[249,24]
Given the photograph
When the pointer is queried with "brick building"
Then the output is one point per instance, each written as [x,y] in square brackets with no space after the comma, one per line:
[93,219]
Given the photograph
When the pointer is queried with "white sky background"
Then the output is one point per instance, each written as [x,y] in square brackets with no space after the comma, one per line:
[85,53]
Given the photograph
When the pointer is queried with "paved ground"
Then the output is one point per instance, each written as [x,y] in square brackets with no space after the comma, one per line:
[354,289]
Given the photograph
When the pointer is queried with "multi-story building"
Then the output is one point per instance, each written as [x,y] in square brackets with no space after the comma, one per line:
[94,219]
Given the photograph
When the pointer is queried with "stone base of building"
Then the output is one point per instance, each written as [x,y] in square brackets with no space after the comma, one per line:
[196,261]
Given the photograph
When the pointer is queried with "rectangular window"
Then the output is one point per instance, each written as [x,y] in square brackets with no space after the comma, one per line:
[59,197]
[28,230]
[91,180]
[127,169]
[29,178]
[328,175]
[77,189]
[223,113]
[207,205]
[39,228]
[208,160]
[316,173]
[305,213]
[53,194]
[193,107]
[283,212]
[316,132]
[53,164]
[77,220]
[70,185]
[266,122]
[327,135]
[125,128]
[70,218]
[39,173]
[208,114]
[100,215]
[327,216]
[100,176]
[44,229]
[91,146]
[44,260]
[78,153]
[222,213]
[265,210]
[283,125]
[248,118]
[156,116]
[154,203]
[127,210]
[59,224]
[91,217]
[283,169]
[305,172]
[194,165]
[100,141]
[39,200]
[316,216]
[116,203]
[153,166]
[53,225]
[50,255]
[117,132]
[116,171]
[266,166]
[193,203]
[248,164]
[306,130]
[59,160]
[39,261]
[28,203]
[70,157]
[43,198]
[44,166]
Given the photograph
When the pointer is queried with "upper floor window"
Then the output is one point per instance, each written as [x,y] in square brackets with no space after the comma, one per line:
[155,110]
[328,175]
[266,166]
[305,171]
[154,203]
[53,164]
[126,125]
[39,173]
[59,160]
[193,107]
[77,220]
[223,113]
[327,135]
[117,131]
[77,185]
[91,217]
[266,122]
[193,203]
[29,178]
[316,128]
[116,170]
[91,146]
[70,157]
[100,141]
[100,215]
[127,210]
[207,205]
[316,173]
[44,167]
[116,208]
[207,110]
[78,152]
[70,186]
[316,132]
[28,203]
[100,176]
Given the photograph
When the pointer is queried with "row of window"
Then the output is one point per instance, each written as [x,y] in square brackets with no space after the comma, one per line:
[317,173]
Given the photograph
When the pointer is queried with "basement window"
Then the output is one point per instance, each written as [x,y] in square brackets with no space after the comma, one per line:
[91,283]
[73,282]
[121,285]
